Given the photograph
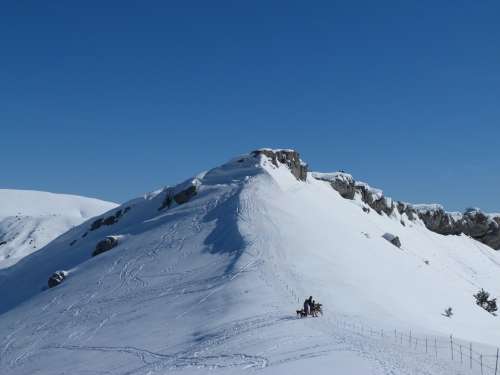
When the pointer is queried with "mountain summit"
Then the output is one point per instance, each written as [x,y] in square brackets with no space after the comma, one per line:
[208,274]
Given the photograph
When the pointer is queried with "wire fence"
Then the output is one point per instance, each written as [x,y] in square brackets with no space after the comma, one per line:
[436,347]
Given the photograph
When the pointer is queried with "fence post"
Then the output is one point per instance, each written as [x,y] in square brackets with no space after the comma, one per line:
[416,343]
[470,354]
[426,344]
[409,340]
[481,362]
[461,360]
[395,335]
[382,332]
[451,346]
[436,346]
[496,364]
[401,338]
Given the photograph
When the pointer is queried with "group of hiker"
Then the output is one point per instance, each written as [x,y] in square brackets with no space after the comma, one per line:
[311,307]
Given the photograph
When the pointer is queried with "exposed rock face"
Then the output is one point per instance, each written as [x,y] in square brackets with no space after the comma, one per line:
[474,223]
[105,245]
[438,220]
[180,194]
[405,208]
[392,239]
[57,278]
[109,220]
[345,185]
[290,158]
[342,182]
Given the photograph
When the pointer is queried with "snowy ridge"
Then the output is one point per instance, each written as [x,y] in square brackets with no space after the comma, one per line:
[473,222]
[31,219]
[207,275]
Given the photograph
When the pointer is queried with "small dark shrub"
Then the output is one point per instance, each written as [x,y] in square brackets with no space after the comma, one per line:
[482,299]
[448,312]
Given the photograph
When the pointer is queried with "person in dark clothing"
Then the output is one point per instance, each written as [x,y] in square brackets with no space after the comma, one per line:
[306,307]
[309,305]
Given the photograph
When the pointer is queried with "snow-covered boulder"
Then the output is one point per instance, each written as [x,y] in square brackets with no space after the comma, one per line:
[105,245]
[393,239]
[57,278]
[290,158]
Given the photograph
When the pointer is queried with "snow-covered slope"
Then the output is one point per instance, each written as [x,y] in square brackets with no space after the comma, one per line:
[208,275]
[31,219]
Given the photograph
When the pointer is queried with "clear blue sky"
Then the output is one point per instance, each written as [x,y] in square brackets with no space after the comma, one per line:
[114,100]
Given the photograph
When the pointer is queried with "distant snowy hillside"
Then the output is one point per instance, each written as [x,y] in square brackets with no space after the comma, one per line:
[31,219]
[208,275]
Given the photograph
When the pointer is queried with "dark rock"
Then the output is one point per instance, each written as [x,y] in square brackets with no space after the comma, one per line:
[342,182]
[180,197]
[167,202]
[290,158]
[405,208]
[72,243]
[392,239]
[185,195]
[110,220]
[57,278]
[375,200]
[85,234]
[3,243]
[127,209]
[439,221]
[383,205]
[366,209]
[105,245]
[96,224]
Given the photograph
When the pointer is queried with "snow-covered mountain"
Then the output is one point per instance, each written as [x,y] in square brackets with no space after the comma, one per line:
[208,274]
[31,219]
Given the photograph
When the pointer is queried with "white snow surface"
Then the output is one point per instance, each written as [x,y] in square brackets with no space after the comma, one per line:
[31,219]
[333,176]
[212,285]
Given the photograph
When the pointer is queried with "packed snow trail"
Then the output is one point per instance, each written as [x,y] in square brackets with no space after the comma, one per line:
[214,282]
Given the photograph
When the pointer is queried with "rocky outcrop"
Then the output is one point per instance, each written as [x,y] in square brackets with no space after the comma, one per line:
[473,222]
[437,219]
[408,209]
[105,245]
[109,220]
[180,194]
[374,198]
[290,158]
[57,278]
[393,239]
[347,187]
[342,182]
